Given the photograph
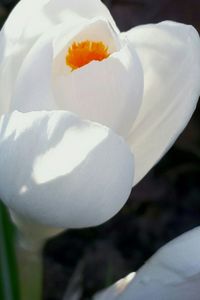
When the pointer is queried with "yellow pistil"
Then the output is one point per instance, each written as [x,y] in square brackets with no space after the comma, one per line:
[82,53]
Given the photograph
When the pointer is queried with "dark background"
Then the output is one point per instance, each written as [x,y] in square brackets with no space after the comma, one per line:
[163,205]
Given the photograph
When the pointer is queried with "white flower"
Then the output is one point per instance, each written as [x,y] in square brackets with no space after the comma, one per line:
[173,273]
[63,62]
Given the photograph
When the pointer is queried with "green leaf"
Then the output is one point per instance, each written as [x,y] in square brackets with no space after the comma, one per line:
[9,287]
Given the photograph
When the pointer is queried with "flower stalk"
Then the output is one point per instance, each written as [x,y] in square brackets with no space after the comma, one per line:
[30,241]
[29,258]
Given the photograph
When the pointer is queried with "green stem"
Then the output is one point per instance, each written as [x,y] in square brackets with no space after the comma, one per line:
[30,270]
[9,288]
[31,239]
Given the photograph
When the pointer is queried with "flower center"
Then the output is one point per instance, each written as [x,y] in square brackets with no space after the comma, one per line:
[82,53]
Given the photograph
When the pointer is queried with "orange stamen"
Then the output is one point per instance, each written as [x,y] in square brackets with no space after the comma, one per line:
[82,53]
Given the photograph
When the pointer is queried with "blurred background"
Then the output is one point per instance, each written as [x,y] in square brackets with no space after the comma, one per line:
[163,205]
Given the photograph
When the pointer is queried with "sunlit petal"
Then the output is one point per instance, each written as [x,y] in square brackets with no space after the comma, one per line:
[170,55]
[70,173]
[110,91]
[28,21]
[172,273]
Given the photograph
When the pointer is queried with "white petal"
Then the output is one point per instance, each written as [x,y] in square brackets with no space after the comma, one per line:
[115,290]
[172,273]
[96,29]
[170,55]
[108,92]
[29,20]
[14,45]
[56,10]
[33,87]
[34,18]
[60,171]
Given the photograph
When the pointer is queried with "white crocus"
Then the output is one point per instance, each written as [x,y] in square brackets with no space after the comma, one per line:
[172,273]
[71,127]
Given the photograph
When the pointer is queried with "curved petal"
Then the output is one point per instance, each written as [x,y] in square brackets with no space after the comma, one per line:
[96,29]
[56,10]
[29,20]
[114,291]
[14,45]
[33,18]
[70,173]
[172,273]
[170,55]
[33,87]
[110,91]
